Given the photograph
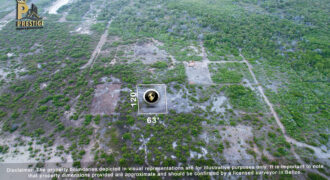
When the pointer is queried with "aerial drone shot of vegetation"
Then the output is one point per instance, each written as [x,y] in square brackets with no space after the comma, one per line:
[247,83]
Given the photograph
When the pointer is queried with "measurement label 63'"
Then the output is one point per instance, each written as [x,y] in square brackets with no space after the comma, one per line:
[152,120]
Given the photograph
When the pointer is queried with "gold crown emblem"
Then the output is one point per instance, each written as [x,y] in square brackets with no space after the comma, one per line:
[21,1]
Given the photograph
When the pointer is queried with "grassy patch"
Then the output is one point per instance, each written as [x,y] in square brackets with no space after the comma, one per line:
[243,98]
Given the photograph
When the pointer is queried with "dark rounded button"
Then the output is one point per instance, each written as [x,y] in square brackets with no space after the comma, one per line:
[151,96]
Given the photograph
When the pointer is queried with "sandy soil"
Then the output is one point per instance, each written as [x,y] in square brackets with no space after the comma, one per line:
[56,5]
[203,53]
[149,53]
[220,105]
[5,20]
[178,103]
[3,73]
[105,99]
[63,18]
[89,155]
[197,155]
[89,19]
[43,86]
[19,156]
[198,73]
[20,153]
[68,114]
[158,43]
[221,62]
[237,138]
[144,147]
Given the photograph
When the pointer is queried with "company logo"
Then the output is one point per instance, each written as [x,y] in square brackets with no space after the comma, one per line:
[31,20]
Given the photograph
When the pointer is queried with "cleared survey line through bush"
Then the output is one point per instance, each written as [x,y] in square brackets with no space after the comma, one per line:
[318,151]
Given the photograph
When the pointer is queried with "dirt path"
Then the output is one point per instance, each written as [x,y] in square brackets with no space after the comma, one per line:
[57,5]
[317,151]
[5,20]
[222,62]
[114,60]
[102,41]
[99,46]
[204,55]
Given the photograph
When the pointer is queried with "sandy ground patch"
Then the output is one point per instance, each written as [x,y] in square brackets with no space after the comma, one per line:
[220,103]
[178,103]
[274,86]
[89,155]
[63,18]
[144,147]
[68,114]
[158,43]
[89,19]
[237,137]
[5,20]
[19,156]
[43,86]
[149,53]
[196,50]
[105,99]
[198,73]
[57,5]
[3,73]
[84,29]
[193,50]
[197,155]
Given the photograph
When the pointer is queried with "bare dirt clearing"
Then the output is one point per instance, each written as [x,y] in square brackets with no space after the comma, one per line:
[149,53]
[237,138]
[5,20]
[105,99]
[198,73]
[19,150]
[220,103]
[56,5]
[63,18]
[176,102]
[22,155]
